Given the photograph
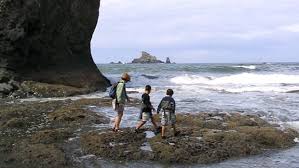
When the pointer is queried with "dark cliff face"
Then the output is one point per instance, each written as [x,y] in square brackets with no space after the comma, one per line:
[49,41]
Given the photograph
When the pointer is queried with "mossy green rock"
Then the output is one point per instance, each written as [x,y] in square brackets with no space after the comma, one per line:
[35,134]
[203,138]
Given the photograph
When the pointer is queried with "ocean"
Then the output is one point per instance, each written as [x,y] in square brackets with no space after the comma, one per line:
[269,90]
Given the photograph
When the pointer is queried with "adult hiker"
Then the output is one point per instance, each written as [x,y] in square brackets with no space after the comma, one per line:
[120,100]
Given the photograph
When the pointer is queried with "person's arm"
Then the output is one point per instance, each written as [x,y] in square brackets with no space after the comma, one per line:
[174,106]
[126,95]
[150,104]
[146,101]
[119,92]
[159,107]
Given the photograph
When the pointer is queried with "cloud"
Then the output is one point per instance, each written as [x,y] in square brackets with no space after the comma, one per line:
[193,26]
[294,28]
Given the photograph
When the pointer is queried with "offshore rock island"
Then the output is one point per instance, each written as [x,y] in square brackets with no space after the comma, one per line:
[146,58]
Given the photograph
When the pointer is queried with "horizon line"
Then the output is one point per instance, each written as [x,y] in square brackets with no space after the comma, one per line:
[209,62]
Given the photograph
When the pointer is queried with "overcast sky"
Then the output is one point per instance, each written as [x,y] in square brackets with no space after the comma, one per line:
[195,31]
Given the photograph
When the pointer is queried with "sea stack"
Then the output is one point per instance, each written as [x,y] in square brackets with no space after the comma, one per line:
[48,42]
[146,58]
[168,60]
[119,62]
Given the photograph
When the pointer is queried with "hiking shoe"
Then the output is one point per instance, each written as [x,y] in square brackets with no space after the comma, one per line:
[163,137]
[137,131]
[115,130]
[157,131]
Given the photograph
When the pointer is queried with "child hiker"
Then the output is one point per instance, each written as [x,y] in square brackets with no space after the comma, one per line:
[167,105]
[146,110]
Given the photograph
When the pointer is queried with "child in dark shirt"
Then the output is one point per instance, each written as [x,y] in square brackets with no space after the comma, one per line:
[167,105]
[146,110]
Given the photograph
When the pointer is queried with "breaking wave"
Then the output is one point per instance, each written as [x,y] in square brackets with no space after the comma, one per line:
[251,67]
[245,82]
[244,78]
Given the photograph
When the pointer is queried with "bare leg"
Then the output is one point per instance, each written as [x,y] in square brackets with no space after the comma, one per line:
[174,128]
[163,131]
[114,125]
[175,132]
[118,120]
[140,124]
[154,123]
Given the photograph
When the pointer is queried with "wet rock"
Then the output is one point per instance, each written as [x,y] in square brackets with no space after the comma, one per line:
[49,42]
[25,116]
[38,155]
[269,137]
[38,89]
[202,139]
[150,76]
[293,91]
[76,116]
[51,136]
[103,102]
[30,137]
[5,88]
[213,124]
[236,120]
[15,123]
[124,145]
[40,130]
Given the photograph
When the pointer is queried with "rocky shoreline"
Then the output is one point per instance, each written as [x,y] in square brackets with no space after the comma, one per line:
[205,138]
[57,133]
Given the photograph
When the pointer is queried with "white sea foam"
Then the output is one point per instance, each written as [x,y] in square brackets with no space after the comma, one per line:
[138,89]
[245,82]
[260,89]
[292,124]
[251,67]
[244,78]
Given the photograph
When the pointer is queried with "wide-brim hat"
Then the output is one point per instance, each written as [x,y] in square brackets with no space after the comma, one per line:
[126,77]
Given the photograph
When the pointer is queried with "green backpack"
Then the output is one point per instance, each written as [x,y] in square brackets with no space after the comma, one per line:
[167,106]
